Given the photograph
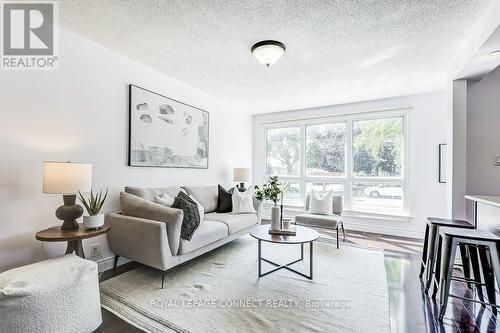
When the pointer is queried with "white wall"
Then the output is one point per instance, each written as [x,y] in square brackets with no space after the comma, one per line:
[459,148]
[80,113]
[427,129]
[483,135]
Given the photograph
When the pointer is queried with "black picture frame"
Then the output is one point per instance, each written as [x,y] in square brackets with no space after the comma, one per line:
[130,162]
[442,163]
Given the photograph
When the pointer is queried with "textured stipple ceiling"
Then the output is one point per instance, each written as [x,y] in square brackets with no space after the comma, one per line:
[337,51]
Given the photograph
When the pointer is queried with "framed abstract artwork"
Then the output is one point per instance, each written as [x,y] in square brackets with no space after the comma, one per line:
[166,133]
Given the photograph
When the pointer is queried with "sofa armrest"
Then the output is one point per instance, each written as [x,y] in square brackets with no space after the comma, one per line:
[139,239]
[172,217]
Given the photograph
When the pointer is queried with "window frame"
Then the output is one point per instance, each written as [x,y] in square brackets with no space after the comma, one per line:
[349,179]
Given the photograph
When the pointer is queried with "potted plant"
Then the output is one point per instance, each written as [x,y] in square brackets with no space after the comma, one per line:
[93,205]
[271,191]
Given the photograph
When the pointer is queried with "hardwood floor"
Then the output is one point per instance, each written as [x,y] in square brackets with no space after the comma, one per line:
[410,310]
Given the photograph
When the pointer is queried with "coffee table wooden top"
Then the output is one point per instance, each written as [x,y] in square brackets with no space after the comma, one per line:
[304,235]
[55,234]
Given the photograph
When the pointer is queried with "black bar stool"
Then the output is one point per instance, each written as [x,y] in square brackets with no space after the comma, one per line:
[451,238]
[430,259]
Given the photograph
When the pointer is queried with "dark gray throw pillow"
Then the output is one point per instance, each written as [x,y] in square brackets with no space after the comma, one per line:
[191,219]
[224,201]
[184,196]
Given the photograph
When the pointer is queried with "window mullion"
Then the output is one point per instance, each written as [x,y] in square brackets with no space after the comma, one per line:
[303,163]
[349,166]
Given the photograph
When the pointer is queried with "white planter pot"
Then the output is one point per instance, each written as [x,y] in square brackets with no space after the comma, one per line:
[93,221]
[275,218]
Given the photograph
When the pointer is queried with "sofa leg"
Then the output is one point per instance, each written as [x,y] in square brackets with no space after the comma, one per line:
[115,263]
[162,278]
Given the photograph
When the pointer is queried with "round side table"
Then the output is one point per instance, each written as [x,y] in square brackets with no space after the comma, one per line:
[304,235]
[73,237]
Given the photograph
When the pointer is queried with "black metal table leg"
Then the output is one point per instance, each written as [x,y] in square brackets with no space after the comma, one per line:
[476,270]
[424,251]
[449,248]
[286,266]
[337,236]
[464,255]
[432,256]
[434,282]
[260,257]
[489,278]
[311,260]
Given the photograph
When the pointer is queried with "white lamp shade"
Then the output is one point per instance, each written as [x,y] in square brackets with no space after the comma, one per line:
[241,175]
[268,54]
[66,177]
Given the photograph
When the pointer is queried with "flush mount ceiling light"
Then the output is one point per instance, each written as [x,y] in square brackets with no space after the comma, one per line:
[495,53]
[268,52]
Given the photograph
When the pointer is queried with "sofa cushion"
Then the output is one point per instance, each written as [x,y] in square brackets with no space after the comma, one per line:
[329,221]
[191,218]
[201,209]
[337,204]
[242,202]
[320,204]
[224,200]
[205,195]
[150,193]
[164,199]
[207,233]
[134,206]
[234,222]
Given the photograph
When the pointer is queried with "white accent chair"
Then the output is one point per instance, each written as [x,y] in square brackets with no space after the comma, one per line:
[330,221]
[55,295]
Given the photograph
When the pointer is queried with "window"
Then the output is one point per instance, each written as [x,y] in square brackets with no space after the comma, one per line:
[323,187]
[359,157]
[283,151]
[325,150]
[377,197]
[292,194]
[377,147]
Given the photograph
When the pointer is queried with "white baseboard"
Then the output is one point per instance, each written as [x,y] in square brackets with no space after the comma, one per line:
[107,263]
[385,230]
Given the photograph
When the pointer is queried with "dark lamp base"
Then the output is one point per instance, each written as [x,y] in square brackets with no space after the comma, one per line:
[69,212]
[241,187]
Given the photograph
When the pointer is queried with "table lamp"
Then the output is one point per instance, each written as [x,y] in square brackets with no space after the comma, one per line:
[241,175]
[67,178]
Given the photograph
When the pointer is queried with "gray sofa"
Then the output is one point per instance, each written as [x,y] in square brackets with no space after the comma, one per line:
[149,233]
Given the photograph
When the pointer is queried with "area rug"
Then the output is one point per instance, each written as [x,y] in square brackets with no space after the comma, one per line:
[221,292]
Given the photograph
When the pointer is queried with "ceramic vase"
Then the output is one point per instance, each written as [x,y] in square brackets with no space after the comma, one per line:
[275,218]
[93,221]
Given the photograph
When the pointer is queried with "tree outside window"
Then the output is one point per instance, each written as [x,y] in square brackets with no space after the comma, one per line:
[326,149]
[283,151]
[377,147]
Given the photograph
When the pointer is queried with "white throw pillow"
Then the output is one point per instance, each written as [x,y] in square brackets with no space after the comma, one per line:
[201,209]
[242,201]
[320,204]
[164,199]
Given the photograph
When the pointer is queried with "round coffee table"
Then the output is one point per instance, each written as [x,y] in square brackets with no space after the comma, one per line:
[73,237]
[304,235]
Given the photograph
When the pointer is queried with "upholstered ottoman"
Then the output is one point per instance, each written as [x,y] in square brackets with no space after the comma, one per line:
[55,295]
